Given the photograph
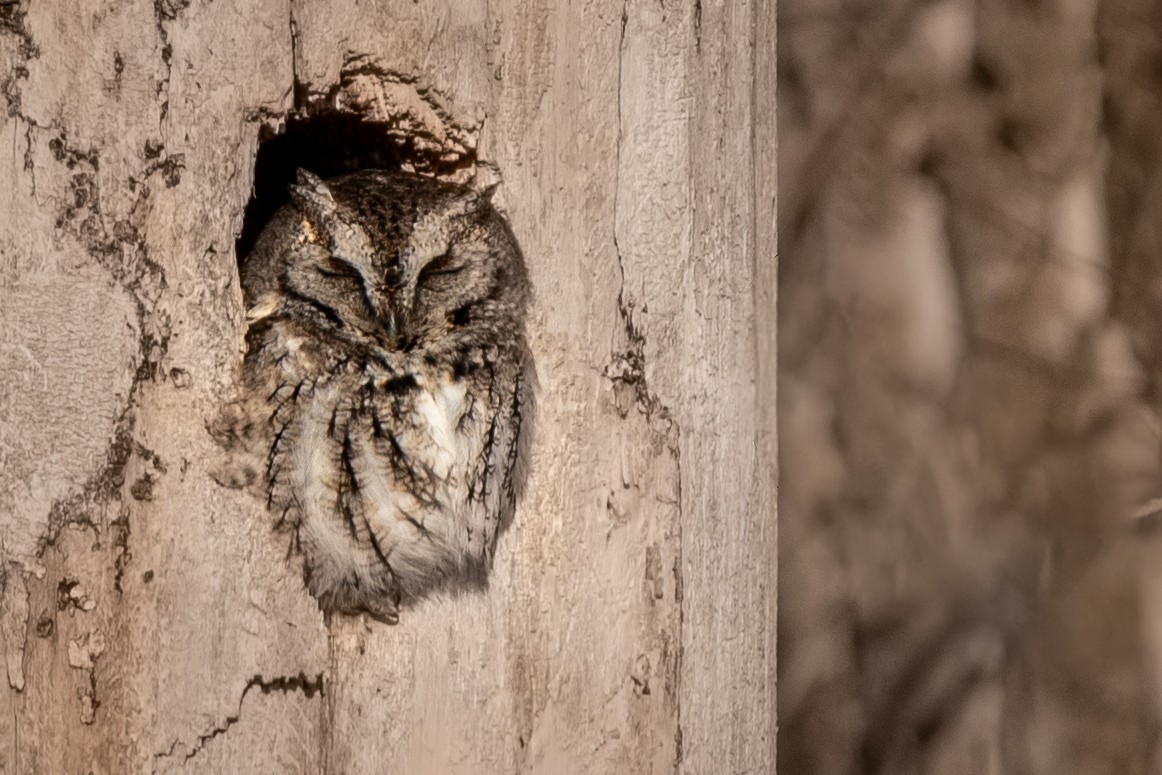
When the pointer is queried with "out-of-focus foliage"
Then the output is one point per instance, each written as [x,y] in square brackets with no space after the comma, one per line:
[970,229]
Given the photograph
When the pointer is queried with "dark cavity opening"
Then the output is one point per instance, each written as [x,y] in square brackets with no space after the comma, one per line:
[328,144]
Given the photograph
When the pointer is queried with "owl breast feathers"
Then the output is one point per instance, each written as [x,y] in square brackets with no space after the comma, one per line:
[389,378]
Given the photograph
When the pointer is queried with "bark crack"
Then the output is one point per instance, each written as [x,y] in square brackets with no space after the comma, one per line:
[118,247]
[627,369]
[697,26]
[12,22]
[165,11]
[628,366]
[297,88]
[300,683]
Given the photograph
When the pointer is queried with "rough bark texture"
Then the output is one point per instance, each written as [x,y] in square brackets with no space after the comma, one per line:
[150,620]
[970,364]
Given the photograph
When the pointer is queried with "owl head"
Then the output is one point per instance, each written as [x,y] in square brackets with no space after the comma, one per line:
[408,261]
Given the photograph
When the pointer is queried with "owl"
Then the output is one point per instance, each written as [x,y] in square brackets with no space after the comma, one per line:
[387,382]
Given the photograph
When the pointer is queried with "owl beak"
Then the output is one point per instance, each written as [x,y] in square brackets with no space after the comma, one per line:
[389,319]
[392,329]
[379,299]
[389,330]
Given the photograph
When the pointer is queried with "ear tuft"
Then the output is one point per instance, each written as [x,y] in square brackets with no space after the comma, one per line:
[472,200]
[312,196]
[484,196]
[309,179]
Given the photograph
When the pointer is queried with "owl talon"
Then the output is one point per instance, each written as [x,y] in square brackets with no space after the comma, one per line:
[385,611]
[384,615]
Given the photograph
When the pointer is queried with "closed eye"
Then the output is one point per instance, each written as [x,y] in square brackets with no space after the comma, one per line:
[439,267]
[337,267]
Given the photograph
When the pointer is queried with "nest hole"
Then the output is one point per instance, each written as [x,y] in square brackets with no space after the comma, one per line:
[330,143]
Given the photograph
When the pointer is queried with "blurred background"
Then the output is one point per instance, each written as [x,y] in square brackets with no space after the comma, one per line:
[970,225]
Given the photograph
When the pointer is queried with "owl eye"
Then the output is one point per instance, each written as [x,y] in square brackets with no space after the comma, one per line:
[332,266]
[440,266]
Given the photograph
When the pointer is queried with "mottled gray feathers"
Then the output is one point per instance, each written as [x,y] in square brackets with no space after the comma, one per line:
[387,383]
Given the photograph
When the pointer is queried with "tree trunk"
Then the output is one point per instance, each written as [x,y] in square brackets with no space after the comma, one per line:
[151,620]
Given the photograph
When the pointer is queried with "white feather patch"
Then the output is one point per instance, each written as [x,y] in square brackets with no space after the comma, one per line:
[441,407]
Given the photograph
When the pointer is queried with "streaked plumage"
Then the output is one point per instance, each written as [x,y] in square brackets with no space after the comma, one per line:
[388,383]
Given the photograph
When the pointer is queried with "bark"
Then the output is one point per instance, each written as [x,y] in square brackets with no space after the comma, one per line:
[151,620]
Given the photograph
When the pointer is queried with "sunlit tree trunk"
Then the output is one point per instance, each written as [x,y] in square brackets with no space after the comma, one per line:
[151,620]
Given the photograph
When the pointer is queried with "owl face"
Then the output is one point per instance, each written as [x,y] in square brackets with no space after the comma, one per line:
[405,282]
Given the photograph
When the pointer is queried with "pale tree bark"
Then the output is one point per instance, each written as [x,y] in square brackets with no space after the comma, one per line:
[150,619]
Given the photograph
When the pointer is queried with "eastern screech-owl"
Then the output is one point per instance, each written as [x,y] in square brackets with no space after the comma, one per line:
[387,377]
